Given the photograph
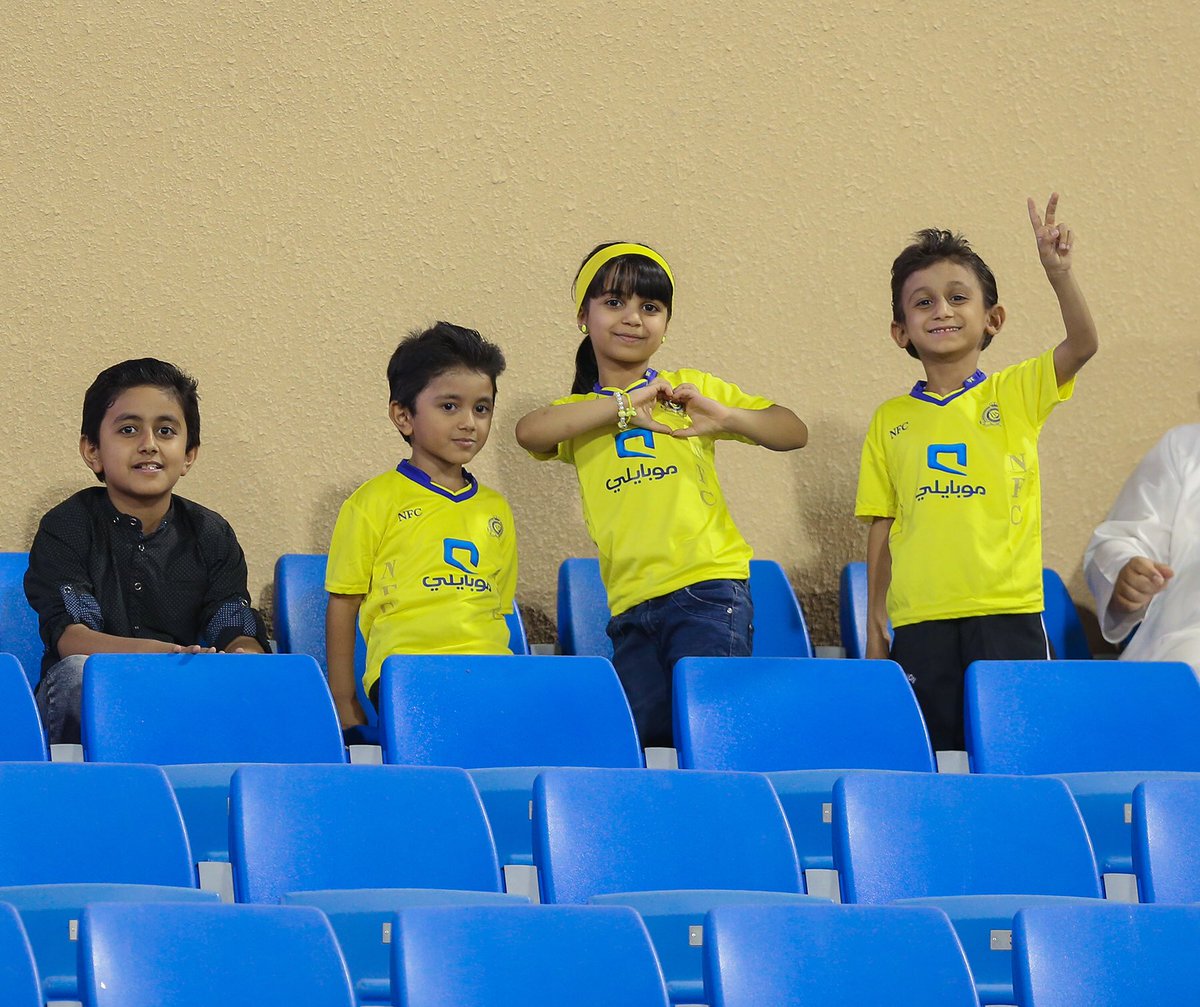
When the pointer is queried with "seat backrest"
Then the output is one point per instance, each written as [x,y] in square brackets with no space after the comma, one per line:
[829,956]
[776,713]
[172,709]
[1061,619]
[1166,840]
[18,973]
[134,955]
[311,828]
[910,835]
[479,712]
[1106,955]
[21,737]
[1082,716]
[582,609]
[524,956]
[64,823]
[852,609]
[780,629]
[19,634]
[597,831]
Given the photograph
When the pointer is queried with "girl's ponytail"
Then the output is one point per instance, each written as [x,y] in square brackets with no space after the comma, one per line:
[587,371]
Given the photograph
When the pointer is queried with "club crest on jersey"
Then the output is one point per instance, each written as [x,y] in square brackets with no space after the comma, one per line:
[990,416]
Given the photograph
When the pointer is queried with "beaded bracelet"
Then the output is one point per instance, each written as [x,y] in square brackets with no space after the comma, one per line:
[625,410]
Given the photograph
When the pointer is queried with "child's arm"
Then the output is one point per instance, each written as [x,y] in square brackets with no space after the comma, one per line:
[542,430]
[879,576]
[341,623]
[1054,241]
[775,427]
[78,639]
[243,645]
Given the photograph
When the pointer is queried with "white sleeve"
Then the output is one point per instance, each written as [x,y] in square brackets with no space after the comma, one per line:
[1139,524]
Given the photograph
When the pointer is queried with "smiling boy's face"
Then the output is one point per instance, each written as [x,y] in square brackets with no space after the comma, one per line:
[142,451]
[945,316]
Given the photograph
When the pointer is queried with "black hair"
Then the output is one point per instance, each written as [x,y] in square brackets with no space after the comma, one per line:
[624,275]
[933,245]
[142,372]
[427,353]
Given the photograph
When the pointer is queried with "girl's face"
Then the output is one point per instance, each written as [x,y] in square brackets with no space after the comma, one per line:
[625,331]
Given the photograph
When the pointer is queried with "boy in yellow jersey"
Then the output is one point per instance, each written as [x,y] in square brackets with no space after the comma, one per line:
[423,557]
[949,475]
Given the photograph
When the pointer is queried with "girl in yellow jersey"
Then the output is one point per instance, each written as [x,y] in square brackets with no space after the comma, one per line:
[642,442]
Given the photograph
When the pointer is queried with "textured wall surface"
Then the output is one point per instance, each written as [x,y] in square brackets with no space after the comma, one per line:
[271,194]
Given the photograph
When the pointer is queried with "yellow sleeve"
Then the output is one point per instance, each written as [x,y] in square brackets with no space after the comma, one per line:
[352,550]
[876,495]
[1033,387]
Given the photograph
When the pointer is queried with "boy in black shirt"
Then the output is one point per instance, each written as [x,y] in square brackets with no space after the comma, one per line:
[132,568]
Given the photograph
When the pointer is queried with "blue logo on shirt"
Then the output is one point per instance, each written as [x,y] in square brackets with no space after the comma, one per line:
[645,436]
[958,451]
[950,489]
[461,555]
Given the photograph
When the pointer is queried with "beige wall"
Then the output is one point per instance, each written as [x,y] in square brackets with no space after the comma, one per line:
[271,194]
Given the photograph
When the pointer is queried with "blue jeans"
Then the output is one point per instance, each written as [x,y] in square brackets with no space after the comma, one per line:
[58,700]
[714,618]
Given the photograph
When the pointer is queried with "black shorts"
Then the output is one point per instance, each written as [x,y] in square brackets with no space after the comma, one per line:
[935,656]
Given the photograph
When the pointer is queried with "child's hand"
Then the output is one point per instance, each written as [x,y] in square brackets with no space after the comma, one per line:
[195,648]
[643,401]
[1054,240]
[350,712]
[1139,580]
[707,415]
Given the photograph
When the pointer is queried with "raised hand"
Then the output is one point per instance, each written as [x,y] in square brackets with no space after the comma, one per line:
[707,415]
[643,401]
[1054,239]
[1139,580]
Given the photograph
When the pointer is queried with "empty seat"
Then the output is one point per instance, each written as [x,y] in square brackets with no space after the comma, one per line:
[18,974]
[21,737]
[780,629]
[1166,840]
[979,847]
[535,956]
[833,956]
[203,715]
[352,840]
[504,718]
[71,834]
[196,956]
[670,843]
[1102,726]
[1106,955]
[803,722]
[19,634]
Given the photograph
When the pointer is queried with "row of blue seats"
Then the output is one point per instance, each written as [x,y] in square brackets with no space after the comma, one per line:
[138,955]
[1104,727]
[300,600]
[671,844]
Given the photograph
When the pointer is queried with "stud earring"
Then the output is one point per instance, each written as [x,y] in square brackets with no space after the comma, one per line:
[583,329]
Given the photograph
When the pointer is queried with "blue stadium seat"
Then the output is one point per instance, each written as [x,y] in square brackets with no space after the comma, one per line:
[833,956]
[1166,840]
[203,715]
[18,973]
[71,834]
[21,736]
[197,956]
[532,956]
[18,622]
[672,844]
[978,847]
[1102,726]
[505,718]
[803,722]
[299,613]
[295,835]
[1060,617]
[780,629]
[1106,955]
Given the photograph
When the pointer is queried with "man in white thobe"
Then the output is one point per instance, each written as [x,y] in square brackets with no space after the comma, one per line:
[1143,562]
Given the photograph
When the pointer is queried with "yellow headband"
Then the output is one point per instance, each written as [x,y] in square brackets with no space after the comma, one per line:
[606,255]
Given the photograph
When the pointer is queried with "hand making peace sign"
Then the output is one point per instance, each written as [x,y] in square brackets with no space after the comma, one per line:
[1054,240]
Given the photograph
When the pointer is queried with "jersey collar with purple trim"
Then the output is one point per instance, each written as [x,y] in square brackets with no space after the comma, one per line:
[407,468]
[918,390]
[641,382]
